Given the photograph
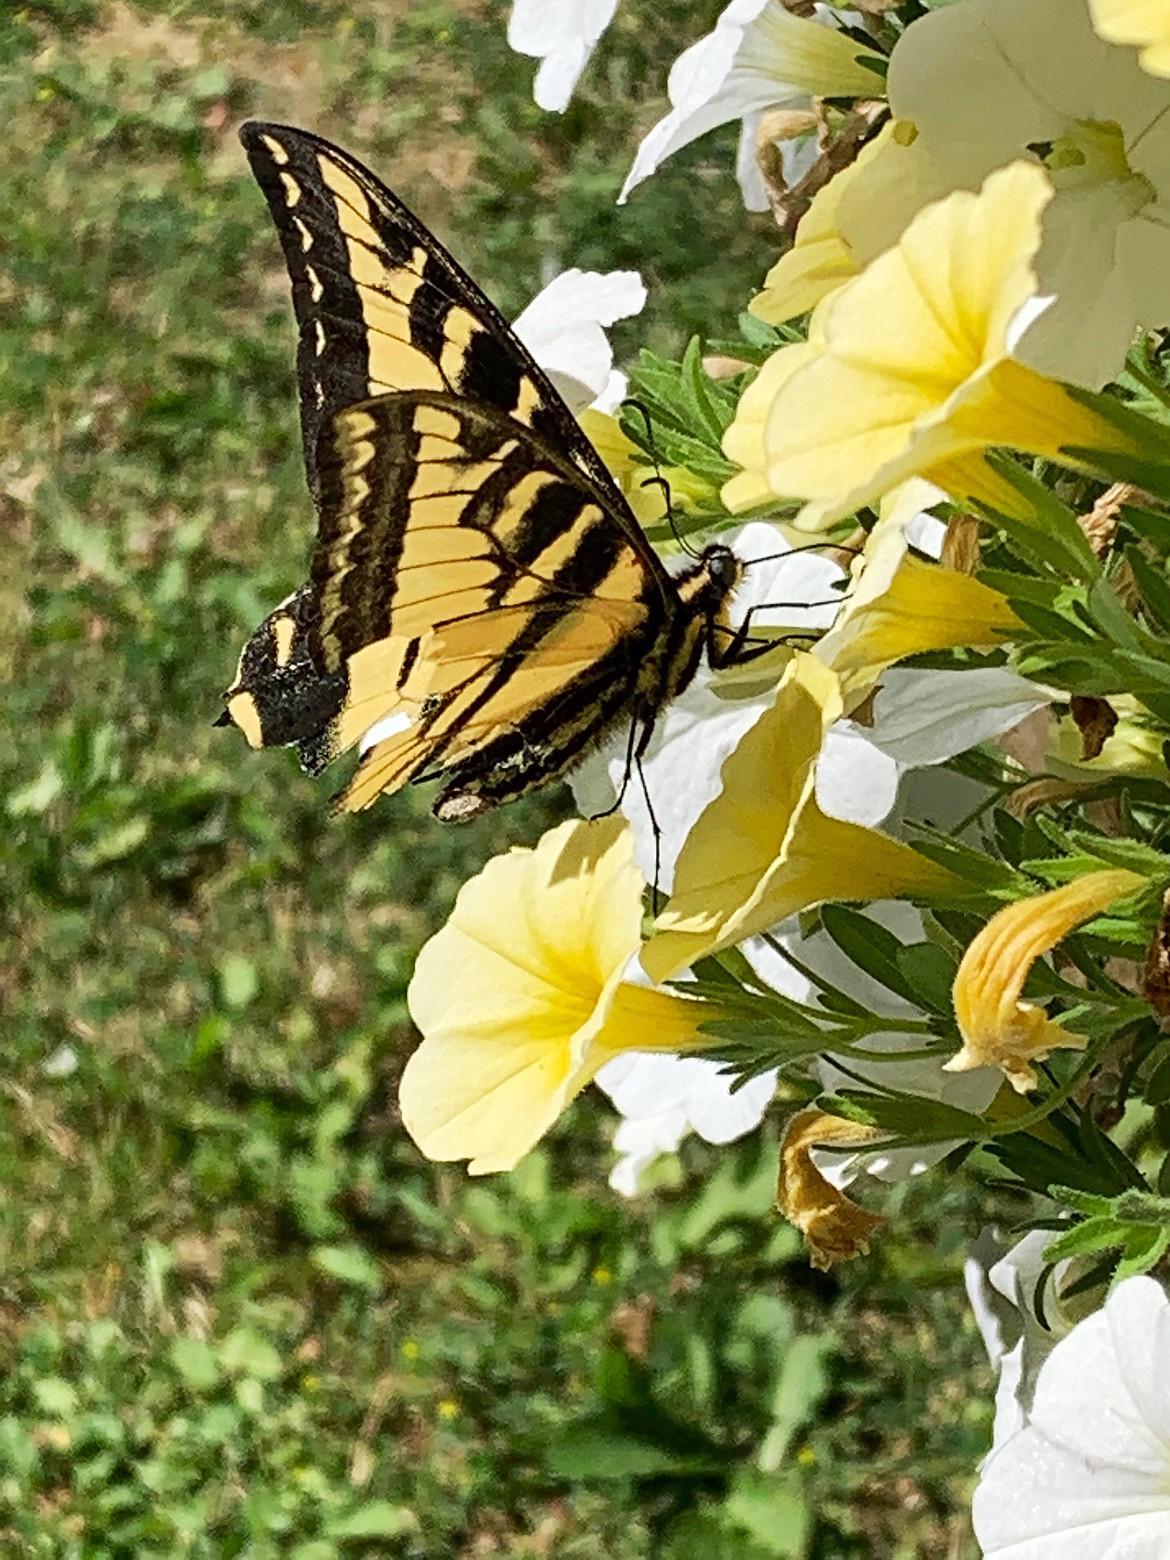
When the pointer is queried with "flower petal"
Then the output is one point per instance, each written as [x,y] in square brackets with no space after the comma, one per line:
[564,328]
[562,35]
[997,1028]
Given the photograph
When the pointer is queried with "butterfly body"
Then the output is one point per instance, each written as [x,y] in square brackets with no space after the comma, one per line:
[481,601]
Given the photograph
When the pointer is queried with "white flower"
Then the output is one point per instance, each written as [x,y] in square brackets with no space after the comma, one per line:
[922,718]
[981,84]
[564,329]
[1088,1477]
[662,1098]
[759,56]
[696,732]
[562,35]
[1019,1304]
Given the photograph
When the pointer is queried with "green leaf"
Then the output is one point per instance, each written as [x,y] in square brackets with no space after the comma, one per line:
[873,948]
[239,981]
[602,1454]
[801,1385]
[245,1352]
[773,1512]
[55,1396]
[376,1519]
[195,1361]
[350,1265]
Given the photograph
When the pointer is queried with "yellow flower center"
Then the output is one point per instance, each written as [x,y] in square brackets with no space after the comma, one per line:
[1093,152]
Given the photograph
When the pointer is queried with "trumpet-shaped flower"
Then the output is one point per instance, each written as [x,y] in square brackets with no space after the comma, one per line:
[700,729]
[1023,1306]
[520,997]
[1142,22]
[834,1227]
[901,606]
[564,329]
[562,35]
[759,56]
[1088,1477]
[907,370]
[997,1028]
[821,258]
[662,1098]
[763,849]
[977,85]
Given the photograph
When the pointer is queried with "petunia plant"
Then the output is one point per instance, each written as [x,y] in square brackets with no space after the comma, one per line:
[898,878]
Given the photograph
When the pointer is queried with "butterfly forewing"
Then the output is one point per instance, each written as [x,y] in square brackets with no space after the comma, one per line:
[458,554]
[382,306]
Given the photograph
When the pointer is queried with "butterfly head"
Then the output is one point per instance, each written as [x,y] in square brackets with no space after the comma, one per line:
[723,568]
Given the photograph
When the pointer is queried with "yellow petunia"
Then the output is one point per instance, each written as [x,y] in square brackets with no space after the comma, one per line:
[636,477]
[763,849]
[1142,22]
[834,1227]
[520,997]
[899,606]
[907,370]
[821,258]
[998,1029]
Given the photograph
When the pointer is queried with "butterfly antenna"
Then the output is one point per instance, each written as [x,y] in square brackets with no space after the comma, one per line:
[658,480]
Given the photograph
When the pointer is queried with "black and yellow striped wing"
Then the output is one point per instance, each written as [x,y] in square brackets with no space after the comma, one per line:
[381,306]
[481,601]
[519,616]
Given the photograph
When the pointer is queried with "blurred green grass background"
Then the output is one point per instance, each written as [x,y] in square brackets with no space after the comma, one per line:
[239,1315]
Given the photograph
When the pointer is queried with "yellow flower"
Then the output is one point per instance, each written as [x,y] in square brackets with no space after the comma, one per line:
[834,1228]
[821,258]
[1143,22]
[520,997]
[900,605]
[636,477]
[998,1029]
[763,849]
[907,370]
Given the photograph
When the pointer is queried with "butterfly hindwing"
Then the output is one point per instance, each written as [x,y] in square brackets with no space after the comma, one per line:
[464,558]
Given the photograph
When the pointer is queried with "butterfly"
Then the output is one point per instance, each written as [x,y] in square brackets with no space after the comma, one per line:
[481,602]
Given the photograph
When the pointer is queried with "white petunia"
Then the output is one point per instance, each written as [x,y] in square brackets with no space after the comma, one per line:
[562,35]
[759,56]
[564,329]
[922,718]
[662,1098]
[977,86]
[1088,1477]
[699,730]
[1020,1306]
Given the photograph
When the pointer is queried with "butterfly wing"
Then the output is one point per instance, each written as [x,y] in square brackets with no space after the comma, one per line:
[478,582]
[477,593]
[381,306]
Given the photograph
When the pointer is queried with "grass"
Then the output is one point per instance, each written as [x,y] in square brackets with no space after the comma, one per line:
[238,1314]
